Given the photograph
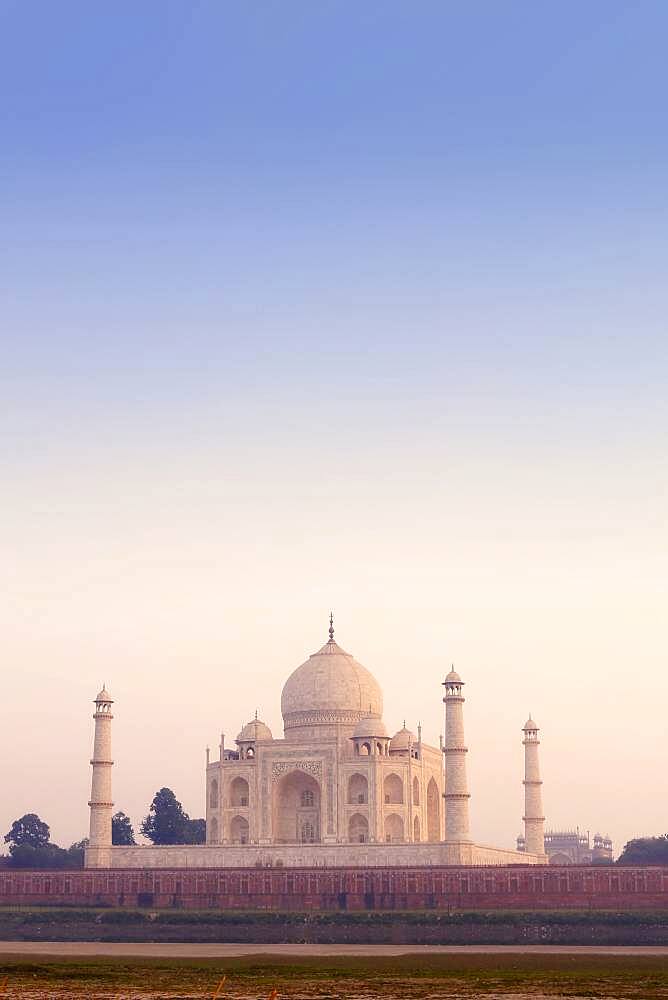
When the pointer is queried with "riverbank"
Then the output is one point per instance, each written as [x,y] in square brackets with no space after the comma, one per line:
[311,973]
[573,928]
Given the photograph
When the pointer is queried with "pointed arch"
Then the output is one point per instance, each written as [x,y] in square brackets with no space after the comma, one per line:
[358,789]
[239,830]
[239,792]
[358,829]
[296,808]
[433,812]
[393,788]
[394,828]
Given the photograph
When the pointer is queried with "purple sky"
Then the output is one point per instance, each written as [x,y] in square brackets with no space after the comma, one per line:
[334,305]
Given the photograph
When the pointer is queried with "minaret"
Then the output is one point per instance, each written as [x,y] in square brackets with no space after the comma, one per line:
[101,805]
[534,821]
[456,788]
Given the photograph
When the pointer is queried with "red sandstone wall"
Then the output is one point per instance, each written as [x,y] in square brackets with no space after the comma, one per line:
[485,888]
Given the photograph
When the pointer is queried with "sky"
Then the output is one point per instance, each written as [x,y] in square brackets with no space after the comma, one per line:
[341,306]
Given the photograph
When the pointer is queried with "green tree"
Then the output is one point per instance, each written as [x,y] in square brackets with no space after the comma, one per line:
[166,822]
[75,853]
[645,851]
[25,856]
[28,831]
[122,833]
[48,856]
[30,846]
[195,832]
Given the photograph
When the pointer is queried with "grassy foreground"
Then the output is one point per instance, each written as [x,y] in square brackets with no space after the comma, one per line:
[431,927]
[419,977]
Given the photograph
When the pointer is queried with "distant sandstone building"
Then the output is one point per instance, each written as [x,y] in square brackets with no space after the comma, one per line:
[335,790]
[570,847]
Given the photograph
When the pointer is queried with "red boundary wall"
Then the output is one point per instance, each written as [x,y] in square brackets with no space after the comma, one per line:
[484,888]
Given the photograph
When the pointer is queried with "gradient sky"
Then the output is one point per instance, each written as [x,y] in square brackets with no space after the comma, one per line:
[334,305]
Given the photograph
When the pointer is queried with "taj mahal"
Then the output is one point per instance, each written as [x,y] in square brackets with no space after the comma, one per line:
[336,790]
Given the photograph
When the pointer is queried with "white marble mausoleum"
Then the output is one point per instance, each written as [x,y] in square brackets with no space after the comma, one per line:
[335,789]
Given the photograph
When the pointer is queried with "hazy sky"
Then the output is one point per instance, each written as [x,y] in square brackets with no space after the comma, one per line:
[334,305]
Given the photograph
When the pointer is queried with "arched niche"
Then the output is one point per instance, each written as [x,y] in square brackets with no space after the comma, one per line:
[239,793]
[358,790]
[394,828]
[239,830]
[358,829]
[433,812]
[296,803]
[393,789]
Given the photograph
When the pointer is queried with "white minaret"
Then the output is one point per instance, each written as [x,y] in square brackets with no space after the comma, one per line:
[534,821]
[456,787]
[101,805]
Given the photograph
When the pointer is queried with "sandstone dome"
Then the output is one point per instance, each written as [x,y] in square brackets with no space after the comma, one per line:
[330,689]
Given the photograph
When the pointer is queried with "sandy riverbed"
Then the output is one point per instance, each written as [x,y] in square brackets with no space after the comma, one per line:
[94,949]
[37,970]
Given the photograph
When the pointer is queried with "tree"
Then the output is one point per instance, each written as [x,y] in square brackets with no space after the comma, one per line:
[166,822]
[25,856]
[28,831]
[195,831]
[48,856]
[645,851]
[76,851]
[30,846]
[122,833]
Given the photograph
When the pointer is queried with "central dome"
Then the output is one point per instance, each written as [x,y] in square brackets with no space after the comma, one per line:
[330,689]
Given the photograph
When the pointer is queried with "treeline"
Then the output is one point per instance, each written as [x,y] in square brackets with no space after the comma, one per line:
[30,845]
[645,851]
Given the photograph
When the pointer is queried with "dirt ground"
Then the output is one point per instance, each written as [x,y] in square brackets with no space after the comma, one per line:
[38,971]
[94,949]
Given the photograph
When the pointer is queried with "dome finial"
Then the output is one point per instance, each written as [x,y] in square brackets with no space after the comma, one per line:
[331,626]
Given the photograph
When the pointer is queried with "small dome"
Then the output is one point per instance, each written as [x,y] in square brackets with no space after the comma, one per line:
[104,695]
[401,740]
[530,725]
[371,726]
[253,731]
[453,678]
